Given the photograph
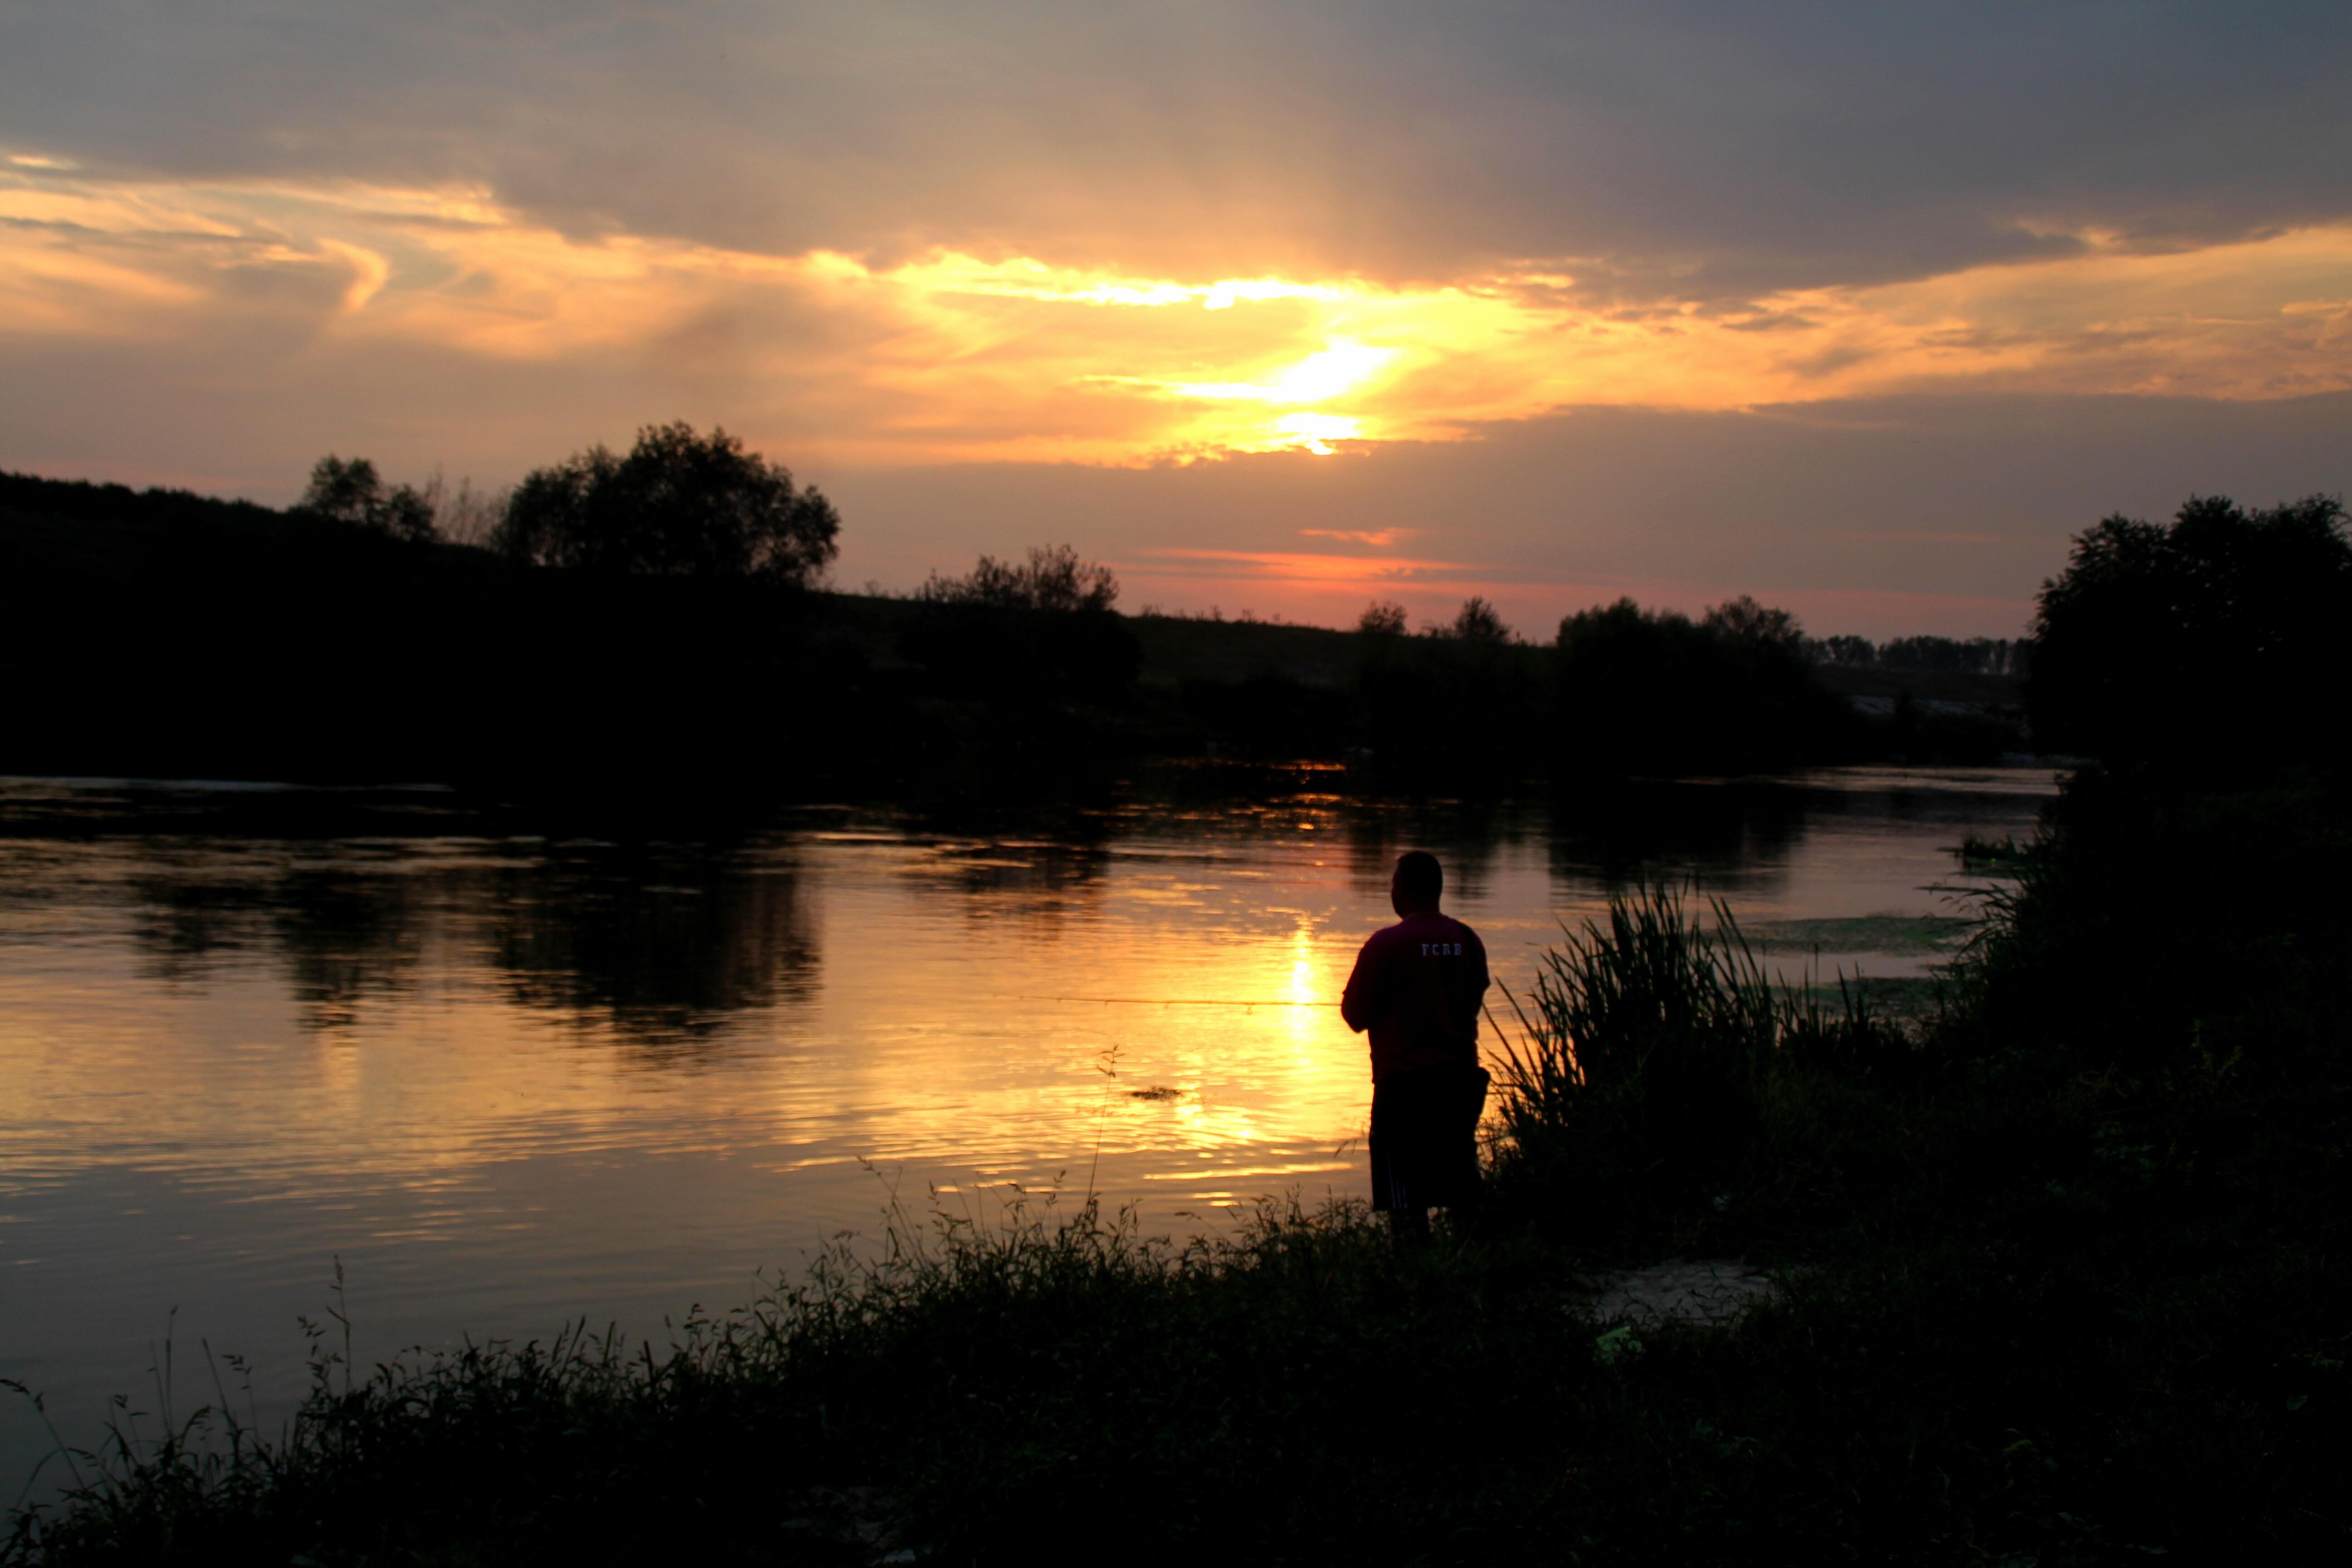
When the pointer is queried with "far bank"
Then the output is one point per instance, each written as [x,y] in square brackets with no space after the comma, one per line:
[167,635]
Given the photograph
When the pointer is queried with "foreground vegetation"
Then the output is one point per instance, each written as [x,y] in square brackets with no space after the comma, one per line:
[2063,1280]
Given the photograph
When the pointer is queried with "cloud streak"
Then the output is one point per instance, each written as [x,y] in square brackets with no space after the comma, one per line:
[1717,149]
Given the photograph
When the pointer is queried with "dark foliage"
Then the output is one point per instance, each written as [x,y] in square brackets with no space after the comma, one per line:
[679,504]
[1038,632]
[1972,656]
[352,493]
[164,635]
[1450,709]
[1643,691]
[1478,622]
[1268,717]
[24,498]
[2217,641]
[1656,1058]
[1055,580]
[323,657]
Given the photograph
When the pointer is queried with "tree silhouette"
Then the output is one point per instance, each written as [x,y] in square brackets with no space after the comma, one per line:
[351,491]
[1382,618]
[2220,635]
[1851,651]
[1478,622]
[1744,620]
[680,504]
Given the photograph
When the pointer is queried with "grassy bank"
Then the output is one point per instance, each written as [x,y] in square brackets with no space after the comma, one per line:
[2063,1276]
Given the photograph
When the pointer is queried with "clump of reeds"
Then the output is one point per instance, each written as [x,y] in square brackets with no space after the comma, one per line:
[1643,1010]
[1655,1054]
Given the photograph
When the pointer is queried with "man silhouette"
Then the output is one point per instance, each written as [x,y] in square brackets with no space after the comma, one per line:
[1417,986]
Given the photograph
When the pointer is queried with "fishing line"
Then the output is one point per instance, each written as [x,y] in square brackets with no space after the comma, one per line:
[1169,1001]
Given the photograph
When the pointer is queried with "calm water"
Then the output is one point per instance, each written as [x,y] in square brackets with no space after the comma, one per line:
[511,1081]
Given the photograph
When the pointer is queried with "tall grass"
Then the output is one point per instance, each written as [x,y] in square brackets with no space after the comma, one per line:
[943,1370]
[1657,1062]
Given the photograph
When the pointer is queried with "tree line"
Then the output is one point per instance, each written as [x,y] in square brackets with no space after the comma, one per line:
[677,503]
[623,611]
[682,503]
[1965,656]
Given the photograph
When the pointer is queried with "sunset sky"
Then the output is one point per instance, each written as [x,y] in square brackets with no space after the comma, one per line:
[1863,308]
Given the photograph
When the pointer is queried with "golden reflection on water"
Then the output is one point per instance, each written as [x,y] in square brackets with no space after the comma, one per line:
[927,1036]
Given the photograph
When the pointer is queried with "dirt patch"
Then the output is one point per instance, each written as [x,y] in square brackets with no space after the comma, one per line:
[1696,1291]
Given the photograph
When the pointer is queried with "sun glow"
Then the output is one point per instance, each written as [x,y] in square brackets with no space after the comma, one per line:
[1316,432]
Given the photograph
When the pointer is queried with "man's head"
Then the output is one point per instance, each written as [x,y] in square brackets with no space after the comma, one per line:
[1414,886]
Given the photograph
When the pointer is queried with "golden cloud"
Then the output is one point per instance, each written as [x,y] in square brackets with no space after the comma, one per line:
[958,357]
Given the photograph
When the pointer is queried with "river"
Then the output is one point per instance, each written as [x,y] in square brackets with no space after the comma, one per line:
[511,1078]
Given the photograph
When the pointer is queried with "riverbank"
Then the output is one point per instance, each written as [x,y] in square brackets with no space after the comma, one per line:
[165,634]
[2060,1276]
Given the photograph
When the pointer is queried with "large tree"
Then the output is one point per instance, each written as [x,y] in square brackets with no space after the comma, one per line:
[679,504]
[2220,636]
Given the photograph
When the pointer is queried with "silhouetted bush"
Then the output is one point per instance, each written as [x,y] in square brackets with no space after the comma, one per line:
[1022,633]
[1055,579]
[679,504]
[2220,638]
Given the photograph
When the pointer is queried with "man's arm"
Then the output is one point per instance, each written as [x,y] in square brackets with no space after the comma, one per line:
[1473,995]
[1360,1004]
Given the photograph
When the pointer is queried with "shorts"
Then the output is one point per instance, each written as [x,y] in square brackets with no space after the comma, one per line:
[1425,1137]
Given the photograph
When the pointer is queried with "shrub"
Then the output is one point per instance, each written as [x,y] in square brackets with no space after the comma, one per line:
[1021,632]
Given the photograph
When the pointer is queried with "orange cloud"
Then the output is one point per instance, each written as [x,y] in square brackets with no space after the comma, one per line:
[1303,568]
[956,357]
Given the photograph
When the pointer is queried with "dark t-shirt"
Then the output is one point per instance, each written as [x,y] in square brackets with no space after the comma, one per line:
[1417,986]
